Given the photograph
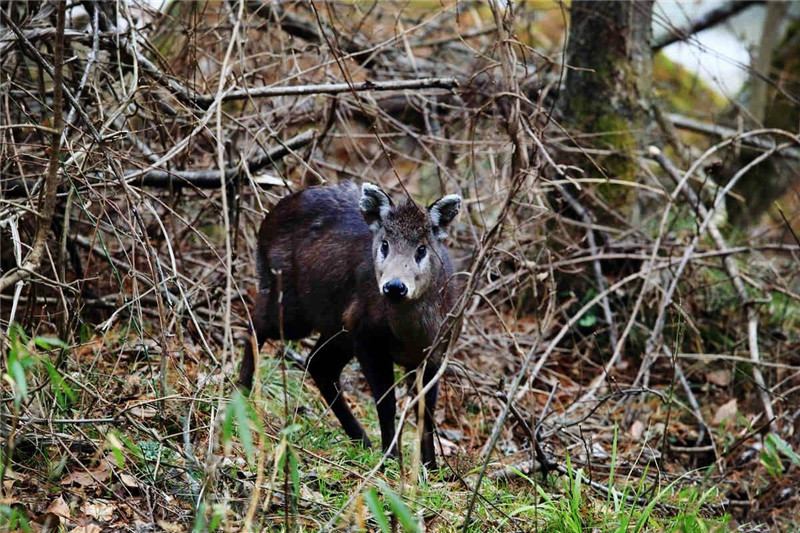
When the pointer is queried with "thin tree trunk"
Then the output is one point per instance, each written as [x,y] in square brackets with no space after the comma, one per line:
[763,63]
[608,82]
[47,194]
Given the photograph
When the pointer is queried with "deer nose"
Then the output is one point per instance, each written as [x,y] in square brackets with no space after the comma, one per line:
[395,289]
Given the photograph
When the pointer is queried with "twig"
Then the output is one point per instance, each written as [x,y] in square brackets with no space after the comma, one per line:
[91,59]
[730,266]
[50,70]
[544,463]
[686,123]
[655,334]
[479,32]
[47,195]
[356,47]
[705,21]
[210,179]
[204,100]
[520,165]
[788,224]
[735,359]
[598,269]
[693,403]
[227,262]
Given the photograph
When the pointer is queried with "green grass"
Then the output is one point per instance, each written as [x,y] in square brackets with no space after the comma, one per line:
[330,466]
[571,506]
[307,455]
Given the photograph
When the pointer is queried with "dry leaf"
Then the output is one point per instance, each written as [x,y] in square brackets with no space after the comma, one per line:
[171,528]
[445,446]
[143,412]
[89,349]
[88,528]
[87,479]
[99,509]
[726,412]
[720,378]
[84,479]
[129,481]
[308,495]
[598,452]
[59,508]
[12,474]
[46,523]
[636,430]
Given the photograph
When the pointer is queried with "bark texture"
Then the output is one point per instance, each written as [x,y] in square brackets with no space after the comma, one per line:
[609,78]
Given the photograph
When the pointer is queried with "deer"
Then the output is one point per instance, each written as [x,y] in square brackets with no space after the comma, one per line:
[375,280]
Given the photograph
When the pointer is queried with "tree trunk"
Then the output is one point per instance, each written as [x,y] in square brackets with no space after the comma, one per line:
[609,80]
[763,60]
[774,105]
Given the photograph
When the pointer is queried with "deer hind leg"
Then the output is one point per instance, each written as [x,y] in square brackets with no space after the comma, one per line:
[272,319]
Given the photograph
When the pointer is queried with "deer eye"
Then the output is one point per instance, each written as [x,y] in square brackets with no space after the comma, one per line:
[421,252]
[384,248]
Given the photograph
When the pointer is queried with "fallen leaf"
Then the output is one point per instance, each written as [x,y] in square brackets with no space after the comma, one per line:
[88,528]
[170,528]
[12,474]
[129,481]
[307,495]
[726,412]
[59,508]
[89,349]
[720,378]
[143,412]
[455,435]
[99,509]
[46,523]
[636,430]
[445,446]
[92,477]
[598,452]
[84,479]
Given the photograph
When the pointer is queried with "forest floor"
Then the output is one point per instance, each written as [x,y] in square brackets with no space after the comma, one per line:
[165,443]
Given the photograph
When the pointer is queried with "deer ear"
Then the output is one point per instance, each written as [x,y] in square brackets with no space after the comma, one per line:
[375,205]
[442,213]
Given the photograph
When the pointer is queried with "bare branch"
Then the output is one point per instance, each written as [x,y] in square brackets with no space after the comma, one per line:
[690,124]
[47,195]
[705,21]
[209,179]
[733,271]
[329,88]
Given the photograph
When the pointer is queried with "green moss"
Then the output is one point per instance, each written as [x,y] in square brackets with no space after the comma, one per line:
[616,136]
[595,110]
[616,132]
[681,90]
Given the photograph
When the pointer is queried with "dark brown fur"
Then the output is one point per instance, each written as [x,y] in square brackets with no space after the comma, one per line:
[319,244]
